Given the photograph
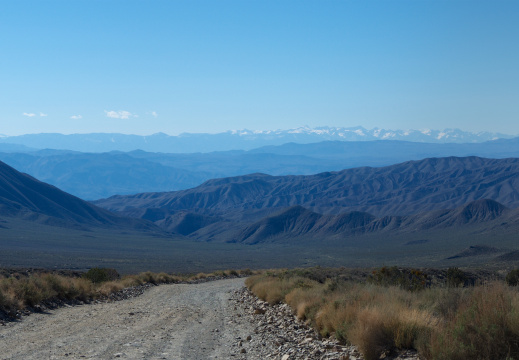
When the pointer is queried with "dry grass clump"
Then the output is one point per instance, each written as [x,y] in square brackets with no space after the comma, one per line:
[199,276]
[18,292]
[274,290]
[448,323]
[109,287]
[485,326]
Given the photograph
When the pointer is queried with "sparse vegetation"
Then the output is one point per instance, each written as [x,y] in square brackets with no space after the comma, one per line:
[99,275]
[512,278]
[17,293]
[456,277]
[408,279]
[21,291]
[442,321]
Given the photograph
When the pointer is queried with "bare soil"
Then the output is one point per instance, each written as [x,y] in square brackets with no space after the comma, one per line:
[180,321]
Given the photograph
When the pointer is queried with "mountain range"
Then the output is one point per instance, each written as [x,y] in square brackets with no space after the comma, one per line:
[453,210]
[100,175]
[237,139]
[298,223]
[401,189]
[433,211]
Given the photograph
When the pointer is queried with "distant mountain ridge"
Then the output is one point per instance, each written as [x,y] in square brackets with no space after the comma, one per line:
[100,175]
[401,189]
[238,139]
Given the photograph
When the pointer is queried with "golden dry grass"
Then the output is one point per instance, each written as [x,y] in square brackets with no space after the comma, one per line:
[481,322]
[18,293]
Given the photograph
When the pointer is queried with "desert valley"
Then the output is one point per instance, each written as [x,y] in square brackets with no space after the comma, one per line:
[252,180]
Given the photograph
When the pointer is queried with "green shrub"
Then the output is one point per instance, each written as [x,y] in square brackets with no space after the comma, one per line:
[512,278]
[233,272]
[246,272]
[408,279]
[456,277]
[483,327]
[99,275]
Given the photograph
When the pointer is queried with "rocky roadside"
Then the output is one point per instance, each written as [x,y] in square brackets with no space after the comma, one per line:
[8,316]
[278,334]
[255,330]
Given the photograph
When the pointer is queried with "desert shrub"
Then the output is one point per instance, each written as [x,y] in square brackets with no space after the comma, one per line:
[109,287]
[219,273]
[447,323]
[484,327]
[232,272]
[337,315]
[57,285]
[446,302]
[148,277]
[151,278]
[99,275]
[375,318]
[200,276]
[273,288]
[81,289]
[512,278]
[19,291]
[30,290]
[456,277]
[305,302]
[163,278]
[246,272]
[408,279]
[3,300]
[131,281]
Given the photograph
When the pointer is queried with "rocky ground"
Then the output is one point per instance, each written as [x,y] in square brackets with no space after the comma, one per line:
[211,320]
[278,334]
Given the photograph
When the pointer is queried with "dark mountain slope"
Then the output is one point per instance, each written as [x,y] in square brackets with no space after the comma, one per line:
[349,222]
[475,250]
[296,223]
[23,196]
[402,189]
[185,223]
[478,211]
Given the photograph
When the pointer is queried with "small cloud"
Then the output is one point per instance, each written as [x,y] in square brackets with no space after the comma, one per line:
[42,114]
[29,114]
[154,113]
[121,114]
[76,117]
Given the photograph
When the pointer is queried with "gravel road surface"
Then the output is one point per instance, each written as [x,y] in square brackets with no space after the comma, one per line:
[180,321]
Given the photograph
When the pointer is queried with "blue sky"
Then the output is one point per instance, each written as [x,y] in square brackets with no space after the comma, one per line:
[141,67]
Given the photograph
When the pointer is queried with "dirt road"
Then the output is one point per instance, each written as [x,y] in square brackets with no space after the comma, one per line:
[166,322]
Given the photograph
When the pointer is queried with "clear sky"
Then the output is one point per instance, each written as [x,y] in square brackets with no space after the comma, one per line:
[141,67]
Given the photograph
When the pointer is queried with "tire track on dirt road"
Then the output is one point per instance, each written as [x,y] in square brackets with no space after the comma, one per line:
[179,321]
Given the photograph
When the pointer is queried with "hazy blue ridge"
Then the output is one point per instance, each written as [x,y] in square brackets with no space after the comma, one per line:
[100,175]
[237,140]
